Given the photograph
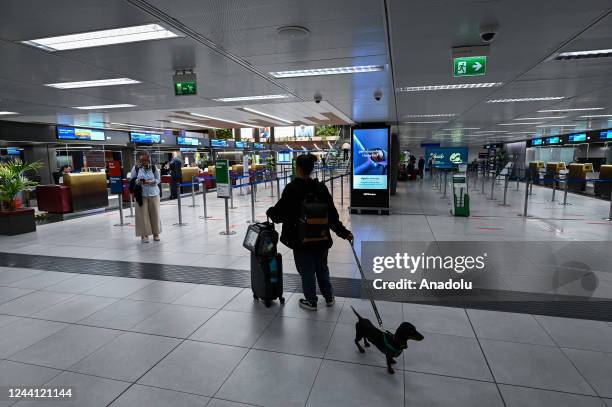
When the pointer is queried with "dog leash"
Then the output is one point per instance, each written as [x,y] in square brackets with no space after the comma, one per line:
[363,277]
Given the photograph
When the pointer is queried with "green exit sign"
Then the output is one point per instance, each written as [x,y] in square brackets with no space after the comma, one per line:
[469,66]
[185,88]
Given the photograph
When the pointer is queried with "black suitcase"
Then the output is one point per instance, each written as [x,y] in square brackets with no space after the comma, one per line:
[267,278]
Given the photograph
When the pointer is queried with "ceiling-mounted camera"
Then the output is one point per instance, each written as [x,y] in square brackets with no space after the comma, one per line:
[488,32]
[378,95]
[318,98]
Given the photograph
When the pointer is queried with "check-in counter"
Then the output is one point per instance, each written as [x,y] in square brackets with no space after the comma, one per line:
[576,175]
[534,171]
[87,190]
[187,176]
[552,172]
[602,189]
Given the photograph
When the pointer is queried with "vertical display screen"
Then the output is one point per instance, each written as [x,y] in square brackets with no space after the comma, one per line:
[370,158]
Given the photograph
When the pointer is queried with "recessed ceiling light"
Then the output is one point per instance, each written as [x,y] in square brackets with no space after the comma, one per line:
[5,113]
[328,71]
[248,109]
[519,124]
[463,128]
[292,32]
[416,116]
[597,115]
[447,87]
[542,118]
[558,125]
[432,122]
[191,124]
[259,97]
[525,99]
[101,107]
[579,109]
[522,132]
[138,126]
[220,120]
[92,84]
[491,131]
[103,37]
[593,53]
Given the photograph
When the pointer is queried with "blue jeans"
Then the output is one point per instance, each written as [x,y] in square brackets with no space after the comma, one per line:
[312,266]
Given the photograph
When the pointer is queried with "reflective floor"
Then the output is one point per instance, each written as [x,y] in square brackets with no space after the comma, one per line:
[137,342]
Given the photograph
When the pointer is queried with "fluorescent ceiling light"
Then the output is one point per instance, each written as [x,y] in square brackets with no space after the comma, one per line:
[525,99]
[432,122]
[260,97]
[589,53]
[447,87]
[491,131]
[542,118]
[463,128]
[220,120]
[5,113]
[579,109]
[103,37]
[101,107]
[328,71]
[558,125]
[138,126]
[519,124]
[597,115]
[191,124]
[93,84]
[416,116]
[248,109]
[521,132]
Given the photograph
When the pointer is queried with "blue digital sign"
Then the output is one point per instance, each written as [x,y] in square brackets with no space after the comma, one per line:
[258,146]
[536,142]
[553,140]
[217,143]
[73,133]
[447,157]
[145,138]
[13,151]
[605,135]
[187,141]
[370,158]
[241,144]
[576,138]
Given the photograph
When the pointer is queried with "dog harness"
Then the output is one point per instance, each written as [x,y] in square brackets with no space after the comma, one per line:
[391,350]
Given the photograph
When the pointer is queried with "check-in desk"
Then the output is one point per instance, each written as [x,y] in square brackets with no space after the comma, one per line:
[80,192]
[577,177]
[187,174]
[552,172]
[602,189]
[534,171]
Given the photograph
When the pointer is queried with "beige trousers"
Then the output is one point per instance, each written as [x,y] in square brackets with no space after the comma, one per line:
[147,217]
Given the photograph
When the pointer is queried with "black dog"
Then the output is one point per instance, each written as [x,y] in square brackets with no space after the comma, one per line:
[392,345]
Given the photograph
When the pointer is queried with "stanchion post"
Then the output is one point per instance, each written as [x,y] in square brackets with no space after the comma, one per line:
[180,209]
[527,182]
[232,197]
[518,178]
[121,222]
[204,191]
[609,218]
[492,188]
[271,186]
[193,184]
[278,194]
[554,190]
[341,189]
[505,189]
[227,231]
[252,204]
[445,182]
[565,189]
[331,185]
[483,183]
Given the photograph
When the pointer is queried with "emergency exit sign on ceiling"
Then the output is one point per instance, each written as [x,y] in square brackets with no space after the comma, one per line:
[185,88]
[469,66]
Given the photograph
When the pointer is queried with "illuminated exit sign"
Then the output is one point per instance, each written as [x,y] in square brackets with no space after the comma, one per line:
[469,66]
[185,84]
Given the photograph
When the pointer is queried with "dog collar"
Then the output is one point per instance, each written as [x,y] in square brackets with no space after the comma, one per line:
[391,347]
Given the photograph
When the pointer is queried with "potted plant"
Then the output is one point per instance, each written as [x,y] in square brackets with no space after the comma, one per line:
[14,221]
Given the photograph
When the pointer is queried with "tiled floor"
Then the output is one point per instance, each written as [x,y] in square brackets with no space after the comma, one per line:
[135,342]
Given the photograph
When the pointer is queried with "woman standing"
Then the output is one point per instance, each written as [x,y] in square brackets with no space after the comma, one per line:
[147,212]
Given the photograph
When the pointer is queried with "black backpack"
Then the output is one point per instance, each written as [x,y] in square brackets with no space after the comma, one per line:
[313,222]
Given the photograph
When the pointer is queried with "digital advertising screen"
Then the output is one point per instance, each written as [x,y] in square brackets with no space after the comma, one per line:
[284,157]
[304,131]
[264,133]
[74,133]
[13,151]
[605,135]
[187,141]
[217,143]
[145,138]
[553,140]
[370,158]
[577,138]
[536,142]
[447,157]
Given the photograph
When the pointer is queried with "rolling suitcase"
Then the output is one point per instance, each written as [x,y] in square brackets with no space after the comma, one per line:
[267,278]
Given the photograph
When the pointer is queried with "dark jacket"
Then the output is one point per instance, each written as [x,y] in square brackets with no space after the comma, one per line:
[286,210]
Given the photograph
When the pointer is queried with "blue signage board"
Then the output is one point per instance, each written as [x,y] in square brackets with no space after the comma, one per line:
[553,140]
[74,133]
[145,138]
[116,185]
[13,151]
[241,144]
[218,143]
[258,146]
[447,157]
[536,142]
[187,141]
[577,138]
[605,135]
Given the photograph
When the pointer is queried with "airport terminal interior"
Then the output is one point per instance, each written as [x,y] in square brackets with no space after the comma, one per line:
[142,143]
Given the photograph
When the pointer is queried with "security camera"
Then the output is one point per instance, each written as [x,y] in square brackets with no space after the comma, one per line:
[378,95]
[488,32]
[318,98]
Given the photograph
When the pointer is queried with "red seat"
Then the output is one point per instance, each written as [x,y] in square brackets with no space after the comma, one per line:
[54,198]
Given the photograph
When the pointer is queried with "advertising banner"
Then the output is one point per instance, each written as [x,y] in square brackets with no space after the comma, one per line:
[223,178]
[447,157]
[371,165]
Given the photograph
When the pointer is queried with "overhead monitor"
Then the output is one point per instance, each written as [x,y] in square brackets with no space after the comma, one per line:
[553,140]
[13,151]
[284,157]
[187,141]
[536,142]
[75,133]
[577,138]
[258,146]
[218,143]
[304,131]
[241,144]
[605,134]
[145,137]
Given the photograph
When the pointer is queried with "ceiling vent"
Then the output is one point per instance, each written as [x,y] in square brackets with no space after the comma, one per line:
[292,32]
